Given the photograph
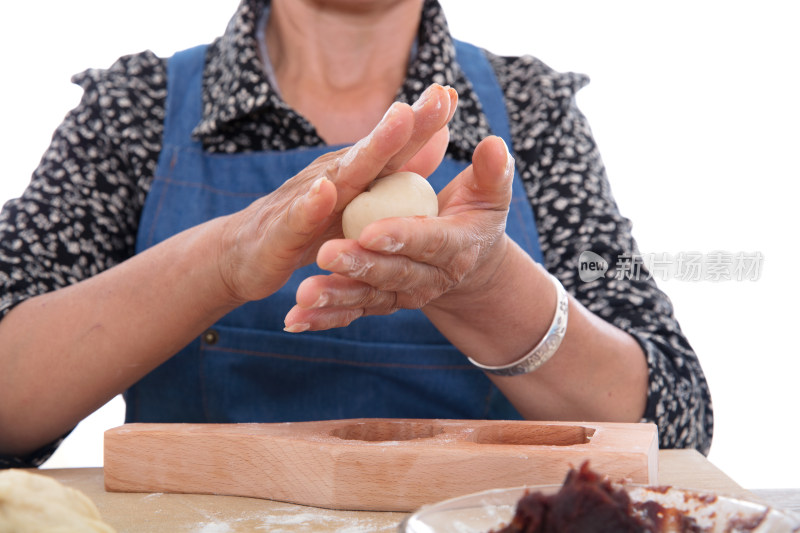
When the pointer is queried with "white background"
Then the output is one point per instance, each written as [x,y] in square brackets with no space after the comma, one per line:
[695,108]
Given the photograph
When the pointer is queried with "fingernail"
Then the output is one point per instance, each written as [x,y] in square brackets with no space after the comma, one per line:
[510,166]
[451,92]
[389,113]
[424,97]
[385,243]
[509,160]
[341,259]
[322,301]
[315,187]
[297,328]
[352,265]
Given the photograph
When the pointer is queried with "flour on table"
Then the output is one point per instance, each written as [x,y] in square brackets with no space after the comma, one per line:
[296,521]
[215,527]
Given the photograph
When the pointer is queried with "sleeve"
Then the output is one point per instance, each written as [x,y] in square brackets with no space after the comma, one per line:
[79,214]
[575,212]
[33,460]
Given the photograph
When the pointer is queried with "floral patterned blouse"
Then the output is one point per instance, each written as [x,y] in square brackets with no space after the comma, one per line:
[79,215]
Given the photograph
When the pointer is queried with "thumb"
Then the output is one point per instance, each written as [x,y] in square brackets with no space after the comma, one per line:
[305,217]
[493,170]
[486,183]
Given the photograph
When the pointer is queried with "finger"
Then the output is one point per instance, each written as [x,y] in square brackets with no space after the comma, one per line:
[299,319]
[337,291]
[346,257]
[304,219]
[428,158]
[485,184]
[413,283]
[325,302]
[434,108]
[355,167]
[446,246]
[403,131]
[493,168]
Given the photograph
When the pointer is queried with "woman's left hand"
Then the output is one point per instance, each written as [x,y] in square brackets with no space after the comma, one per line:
[407,263]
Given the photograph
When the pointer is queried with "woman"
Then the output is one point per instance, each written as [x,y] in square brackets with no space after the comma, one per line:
[165,236]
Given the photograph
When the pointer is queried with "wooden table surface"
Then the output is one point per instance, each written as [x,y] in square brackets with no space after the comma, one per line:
[787,499]
[192,513]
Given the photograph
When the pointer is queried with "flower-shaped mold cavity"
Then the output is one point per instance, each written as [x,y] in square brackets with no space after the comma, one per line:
[541,435]
[387,430]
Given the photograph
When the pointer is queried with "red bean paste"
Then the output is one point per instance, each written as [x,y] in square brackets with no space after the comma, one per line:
[587,503]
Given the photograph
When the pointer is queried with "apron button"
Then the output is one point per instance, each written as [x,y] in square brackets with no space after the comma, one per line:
[211,336]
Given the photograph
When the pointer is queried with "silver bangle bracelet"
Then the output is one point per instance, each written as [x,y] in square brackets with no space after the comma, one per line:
[543,351]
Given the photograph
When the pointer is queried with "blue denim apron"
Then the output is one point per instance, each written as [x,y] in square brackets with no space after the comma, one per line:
[246,368]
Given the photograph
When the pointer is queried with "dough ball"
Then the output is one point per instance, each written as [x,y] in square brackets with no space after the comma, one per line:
[403,194]
[34,503]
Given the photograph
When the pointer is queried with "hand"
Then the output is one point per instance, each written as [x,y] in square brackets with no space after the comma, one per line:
[412,262]
[264,243]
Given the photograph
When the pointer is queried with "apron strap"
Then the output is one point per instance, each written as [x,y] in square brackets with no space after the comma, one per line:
[479,72]
[184,96]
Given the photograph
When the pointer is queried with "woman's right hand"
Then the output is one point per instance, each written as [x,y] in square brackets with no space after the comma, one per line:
[262,245]
[108,331]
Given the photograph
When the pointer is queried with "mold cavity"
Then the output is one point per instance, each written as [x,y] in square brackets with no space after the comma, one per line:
[532,435]
[387,431]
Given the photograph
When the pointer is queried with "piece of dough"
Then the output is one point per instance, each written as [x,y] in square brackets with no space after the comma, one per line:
[403,194]
[33,503]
